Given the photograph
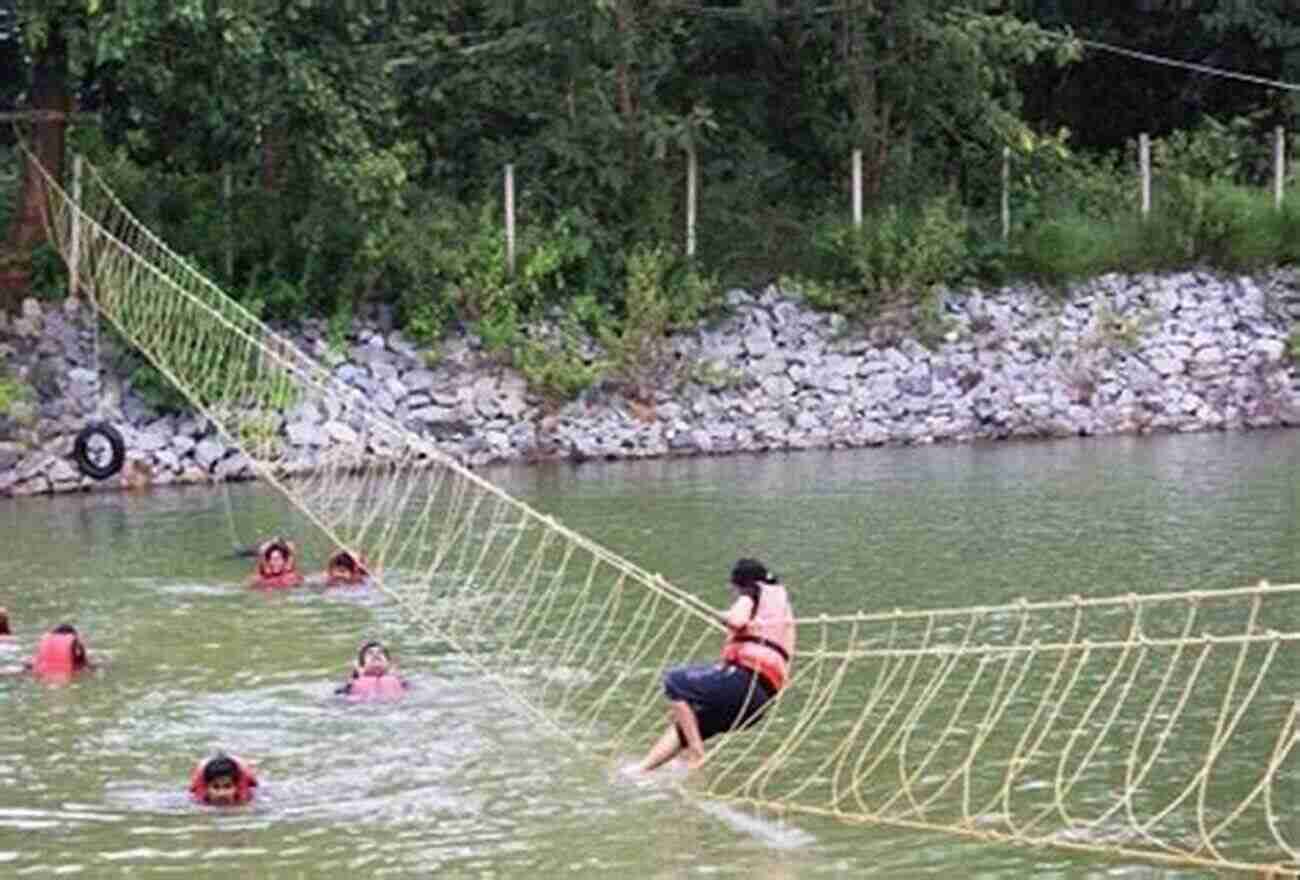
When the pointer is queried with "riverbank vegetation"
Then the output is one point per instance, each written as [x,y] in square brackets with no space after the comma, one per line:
[317,157]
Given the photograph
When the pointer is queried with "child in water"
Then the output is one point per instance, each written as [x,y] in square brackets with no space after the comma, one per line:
[374,676]
[60,654]
[223,781]
[276,568]
[8,644]
[345,569]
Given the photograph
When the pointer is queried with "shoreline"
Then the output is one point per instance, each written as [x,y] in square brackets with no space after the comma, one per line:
[1118,355]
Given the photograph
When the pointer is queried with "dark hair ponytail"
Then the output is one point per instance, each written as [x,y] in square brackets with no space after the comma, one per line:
[748,576]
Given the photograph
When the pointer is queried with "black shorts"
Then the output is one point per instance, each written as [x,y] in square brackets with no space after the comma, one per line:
[724,697]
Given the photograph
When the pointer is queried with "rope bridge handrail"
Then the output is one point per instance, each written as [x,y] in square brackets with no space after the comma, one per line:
[1161,728]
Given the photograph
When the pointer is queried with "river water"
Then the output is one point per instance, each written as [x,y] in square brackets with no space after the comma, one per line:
[452,780]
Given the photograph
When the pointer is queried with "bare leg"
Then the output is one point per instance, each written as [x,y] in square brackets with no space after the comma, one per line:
[662,751]
[684,715]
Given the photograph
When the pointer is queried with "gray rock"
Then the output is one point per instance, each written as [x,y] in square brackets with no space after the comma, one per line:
[168,459]
[433,414]
[10,455]
[418,380]
[395,388]
[235,467]
[341,433]
[63,471]
[305,434]
[758,342]
[208,452]
[917,382]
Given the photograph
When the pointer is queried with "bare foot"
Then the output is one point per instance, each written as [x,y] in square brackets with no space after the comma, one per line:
[694,760]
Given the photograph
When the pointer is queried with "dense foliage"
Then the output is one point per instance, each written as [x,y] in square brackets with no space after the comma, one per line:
[316,155]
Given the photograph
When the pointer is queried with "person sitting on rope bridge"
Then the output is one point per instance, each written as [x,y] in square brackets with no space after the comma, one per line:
[346,569]
[706,700]
[373,677]
[276,568]
[223,781]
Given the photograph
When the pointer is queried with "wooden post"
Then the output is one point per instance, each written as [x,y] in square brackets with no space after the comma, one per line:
[1006,193]
[857,189]
[1279,166]
[692,183]
[1144,168]
[74,249]
[510,219]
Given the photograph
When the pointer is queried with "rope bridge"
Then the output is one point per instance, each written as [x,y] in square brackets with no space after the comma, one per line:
[1160,728]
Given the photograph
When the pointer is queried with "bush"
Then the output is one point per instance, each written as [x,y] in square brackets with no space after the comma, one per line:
[1068,248]
[661,294]
[49,274]
[12,392]
[156,389]
[897,256]
[557,369]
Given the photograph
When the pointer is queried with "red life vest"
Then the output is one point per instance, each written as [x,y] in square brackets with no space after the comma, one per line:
[766,643]
[373,688]
[284,580]
[244,785]
[56,657]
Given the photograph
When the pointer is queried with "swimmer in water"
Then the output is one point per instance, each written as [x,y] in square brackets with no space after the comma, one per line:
[60,655]
[223,781]
[345,569]
[8,644]
[374,676]
[276,566]
[710,699]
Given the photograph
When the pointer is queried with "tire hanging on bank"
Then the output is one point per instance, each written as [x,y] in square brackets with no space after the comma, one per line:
[86,463]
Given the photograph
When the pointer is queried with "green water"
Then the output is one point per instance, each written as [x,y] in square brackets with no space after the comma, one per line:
[452,781]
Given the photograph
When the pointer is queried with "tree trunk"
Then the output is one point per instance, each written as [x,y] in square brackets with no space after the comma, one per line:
[51,103]
[623,75]
[275,143]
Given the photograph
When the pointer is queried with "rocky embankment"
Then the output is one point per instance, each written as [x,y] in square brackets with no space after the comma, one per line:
[1121,354]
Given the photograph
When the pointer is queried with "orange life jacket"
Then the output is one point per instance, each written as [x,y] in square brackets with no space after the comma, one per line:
[766,643]
[56,657]
[244,785]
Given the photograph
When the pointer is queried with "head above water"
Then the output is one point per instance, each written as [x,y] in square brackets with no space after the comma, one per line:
[276,555]
[346,567]
[373,658]
[220,765]
[221,777]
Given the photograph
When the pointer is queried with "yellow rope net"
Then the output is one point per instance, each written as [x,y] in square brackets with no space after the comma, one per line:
[1160,728]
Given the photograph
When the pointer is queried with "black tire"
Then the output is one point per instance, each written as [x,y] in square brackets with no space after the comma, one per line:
[90,465]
